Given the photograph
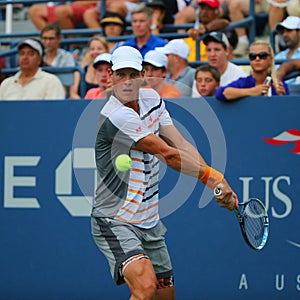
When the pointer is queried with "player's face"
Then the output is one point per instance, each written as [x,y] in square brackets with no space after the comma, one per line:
[140,24]
[126,84]
[154,76]
[216,54]
[260,64]
[206,84]
[29,59]
[50,40]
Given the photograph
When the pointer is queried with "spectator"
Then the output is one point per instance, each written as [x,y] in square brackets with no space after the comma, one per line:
[97,45]
[209,20]
[262,64]
[67,15]
[155,70]
[207,80]
[238,10]
[55,56]
[180,74]
[279,9]
[123,7]
[288,67]
[158,14]
[217,51]
[31,83]
[2,76]
[144,40]
[113,24]
[290,29]
[101,66]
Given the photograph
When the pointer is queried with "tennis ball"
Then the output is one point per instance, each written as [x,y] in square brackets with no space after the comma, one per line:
[123,162]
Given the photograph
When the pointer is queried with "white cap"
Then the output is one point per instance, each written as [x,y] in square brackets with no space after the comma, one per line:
[33,44]
[178,47]
[291,23]
[156,59]
[126,57]
[102,58]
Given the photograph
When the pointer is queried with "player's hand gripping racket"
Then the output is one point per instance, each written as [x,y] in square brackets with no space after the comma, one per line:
[253,220]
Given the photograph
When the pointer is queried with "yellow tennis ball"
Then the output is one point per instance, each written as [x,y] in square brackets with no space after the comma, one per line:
[123,162]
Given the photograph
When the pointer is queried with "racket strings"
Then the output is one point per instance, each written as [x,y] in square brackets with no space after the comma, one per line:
[254,220]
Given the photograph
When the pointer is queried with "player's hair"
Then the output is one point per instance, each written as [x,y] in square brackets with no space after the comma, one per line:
[271,71]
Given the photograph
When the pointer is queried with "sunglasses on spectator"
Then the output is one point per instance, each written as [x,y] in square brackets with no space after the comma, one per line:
[260,55]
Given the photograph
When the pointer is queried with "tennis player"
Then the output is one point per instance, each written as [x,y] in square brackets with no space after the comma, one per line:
[125,220]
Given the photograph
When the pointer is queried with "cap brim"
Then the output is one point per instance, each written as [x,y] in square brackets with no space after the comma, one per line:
[281,27]
[127,64]
[101,62]
[113,20]
[211,39]
[153,63]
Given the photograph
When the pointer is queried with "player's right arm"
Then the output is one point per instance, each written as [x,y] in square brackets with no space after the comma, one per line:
[179,154]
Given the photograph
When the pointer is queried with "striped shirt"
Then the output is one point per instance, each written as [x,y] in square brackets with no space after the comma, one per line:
[130,196]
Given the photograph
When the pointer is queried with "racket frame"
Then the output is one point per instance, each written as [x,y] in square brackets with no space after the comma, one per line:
[218,192]
[242,224]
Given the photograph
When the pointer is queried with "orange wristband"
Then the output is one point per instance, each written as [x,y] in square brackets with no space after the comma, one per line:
[211,177]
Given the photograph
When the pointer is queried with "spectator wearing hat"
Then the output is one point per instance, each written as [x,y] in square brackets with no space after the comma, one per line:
[290,30]
[113,24]
[101,66]
[180,74]
[210,19]
[155,70]
[217,51]
[144,40]
[31,82]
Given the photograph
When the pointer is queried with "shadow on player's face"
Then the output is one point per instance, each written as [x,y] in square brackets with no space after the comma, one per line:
[126,84]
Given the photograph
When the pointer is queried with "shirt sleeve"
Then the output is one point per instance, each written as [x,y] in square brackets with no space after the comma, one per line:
[243,82]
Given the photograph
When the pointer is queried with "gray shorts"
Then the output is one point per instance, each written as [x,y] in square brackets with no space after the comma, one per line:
[119,241]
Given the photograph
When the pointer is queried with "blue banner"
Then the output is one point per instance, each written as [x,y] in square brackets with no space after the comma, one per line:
[48,180]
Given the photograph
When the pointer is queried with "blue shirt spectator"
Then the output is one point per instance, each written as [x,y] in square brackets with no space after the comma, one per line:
[243,83]
[144,40]
[151,44]
[290,30]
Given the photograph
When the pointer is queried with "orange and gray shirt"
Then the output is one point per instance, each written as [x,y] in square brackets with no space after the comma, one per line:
[130,196]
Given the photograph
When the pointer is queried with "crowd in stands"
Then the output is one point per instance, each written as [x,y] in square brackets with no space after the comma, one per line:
[168,62]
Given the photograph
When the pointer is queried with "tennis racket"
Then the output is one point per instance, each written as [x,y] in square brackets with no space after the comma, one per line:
[253,220]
